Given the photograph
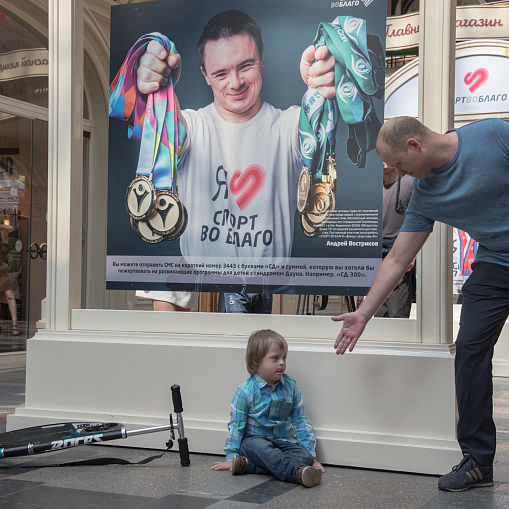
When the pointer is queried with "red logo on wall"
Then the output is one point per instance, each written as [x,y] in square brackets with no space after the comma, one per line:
[476,79]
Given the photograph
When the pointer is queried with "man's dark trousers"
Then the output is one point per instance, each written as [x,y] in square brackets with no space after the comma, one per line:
[483,314]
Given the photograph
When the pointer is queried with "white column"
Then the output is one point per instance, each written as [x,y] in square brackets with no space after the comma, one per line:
[65,161]
[437,39]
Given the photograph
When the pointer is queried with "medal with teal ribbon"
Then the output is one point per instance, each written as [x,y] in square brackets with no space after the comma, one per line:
[317,182]
[152,201]
[359,75]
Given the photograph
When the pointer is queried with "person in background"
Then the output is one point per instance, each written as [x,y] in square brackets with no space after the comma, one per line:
[171,301]
[397,192]
[257,303]
[7,296]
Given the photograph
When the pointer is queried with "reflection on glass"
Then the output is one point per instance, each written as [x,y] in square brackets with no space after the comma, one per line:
[23,62]
[15,169]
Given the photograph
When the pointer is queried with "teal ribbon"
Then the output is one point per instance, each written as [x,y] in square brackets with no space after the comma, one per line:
[359,74]
[317,124]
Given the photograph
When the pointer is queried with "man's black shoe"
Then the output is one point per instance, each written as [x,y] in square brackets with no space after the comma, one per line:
[468,474]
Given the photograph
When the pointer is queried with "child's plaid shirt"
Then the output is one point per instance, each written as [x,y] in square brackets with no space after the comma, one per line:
[258,409]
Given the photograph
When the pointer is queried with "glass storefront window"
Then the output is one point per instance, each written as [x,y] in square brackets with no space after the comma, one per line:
[15,169]
[23,228]
[23,63]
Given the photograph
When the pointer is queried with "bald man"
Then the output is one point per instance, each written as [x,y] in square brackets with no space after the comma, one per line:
[461,179]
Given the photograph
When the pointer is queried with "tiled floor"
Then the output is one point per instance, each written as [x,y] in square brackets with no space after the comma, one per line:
[37,483]
[10,343]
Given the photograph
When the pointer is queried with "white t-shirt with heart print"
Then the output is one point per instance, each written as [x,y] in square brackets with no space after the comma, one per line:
[239,184]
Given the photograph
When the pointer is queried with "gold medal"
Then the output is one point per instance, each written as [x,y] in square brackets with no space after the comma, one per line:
[318,211]
[307,229]
[317,202]
[140,198]
[145,233]
[321,203]
[179,231]
[166,221]
[167,218]
[303,188]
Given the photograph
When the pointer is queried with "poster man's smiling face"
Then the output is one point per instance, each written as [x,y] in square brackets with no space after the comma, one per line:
[233,68]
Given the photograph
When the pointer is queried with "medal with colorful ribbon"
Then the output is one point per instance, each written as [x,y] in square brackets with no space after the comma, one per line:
[152,200]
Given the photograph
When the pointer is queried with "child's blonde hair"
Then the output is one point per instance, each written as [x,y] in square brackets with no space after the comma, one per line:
[259,344]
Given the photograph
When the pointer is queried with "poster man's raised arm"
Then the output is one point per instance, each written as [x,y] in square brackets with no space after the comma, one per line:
[317,70]
[155,67]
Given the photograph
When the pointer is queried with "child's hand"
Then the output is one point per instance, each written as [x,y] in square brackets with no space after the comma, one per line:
[226,465]
[317,464]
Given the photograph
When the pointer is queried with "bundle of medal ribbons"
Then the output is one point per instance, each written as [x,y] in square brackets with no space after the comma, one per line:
[359,76]
[152,200]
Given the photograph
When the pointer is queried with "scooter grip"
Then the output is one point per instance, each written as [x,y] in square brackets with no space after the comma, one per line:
[177,399]
[184,452]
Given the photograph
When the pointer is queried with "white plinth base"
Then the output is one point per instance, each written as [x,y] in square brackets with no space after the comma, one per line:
[386,405]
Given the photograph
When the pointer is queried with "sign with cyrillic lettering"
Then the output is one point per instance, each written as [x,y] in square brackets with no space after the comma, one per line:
[480,87]
[472,22]
[24,63]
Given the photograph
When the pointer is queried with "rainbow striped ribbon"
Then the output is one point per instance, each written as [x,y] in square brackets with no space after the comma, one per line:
[152,119]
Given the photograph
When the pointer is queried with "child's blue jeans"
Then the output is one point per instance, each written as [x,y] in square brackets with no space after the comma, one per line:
[280,458]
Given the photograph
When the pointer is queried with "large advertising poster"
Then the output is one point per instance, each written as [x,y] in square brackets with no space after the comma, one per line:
[210,197]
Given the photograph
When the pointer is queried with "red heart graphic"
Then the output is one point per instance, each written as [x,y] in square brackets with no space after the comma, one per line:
[476,79]
[248,183]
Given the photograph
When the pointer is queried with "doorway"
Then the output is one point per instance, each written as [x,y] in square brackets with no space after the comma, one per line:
[23,228]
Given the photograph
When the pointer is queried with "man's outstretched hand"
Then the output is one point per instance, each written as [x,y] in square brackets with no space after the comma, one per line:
[317,70]
[155,68]
[353,327]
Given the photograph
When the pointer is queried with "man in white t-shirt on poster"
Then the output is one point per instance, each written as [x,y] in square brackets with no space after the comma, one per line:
[240,164]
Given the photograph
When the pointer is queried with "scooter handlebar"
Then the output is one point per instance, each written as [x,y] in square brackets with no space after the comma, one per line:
[177,399]
[184,452]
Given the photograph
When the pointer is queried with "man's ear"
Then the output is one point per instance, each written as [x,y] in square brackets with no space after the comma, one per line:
[202,69]
[412,143]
